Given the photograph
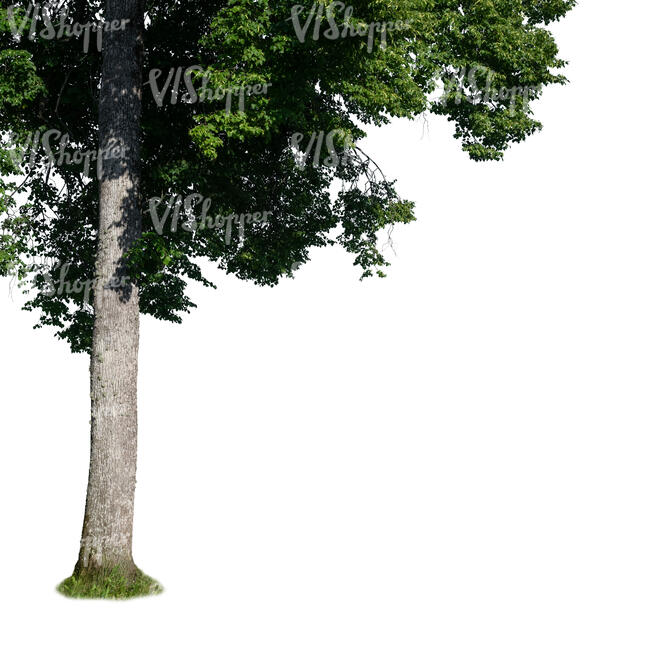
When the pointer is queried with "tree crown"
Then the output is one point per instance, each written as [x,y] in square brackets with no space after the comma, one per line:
[252,115]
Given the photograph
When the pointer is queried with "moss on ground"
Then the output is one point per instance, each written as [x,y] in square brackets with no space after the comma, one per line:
[110,585]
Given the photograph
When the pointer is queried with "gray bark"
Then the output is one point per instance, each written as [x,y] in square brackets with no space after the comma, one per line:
[108,521]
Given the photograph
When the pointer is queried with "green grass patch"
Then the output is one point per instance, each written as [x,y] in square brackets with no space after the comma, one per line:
[110,585]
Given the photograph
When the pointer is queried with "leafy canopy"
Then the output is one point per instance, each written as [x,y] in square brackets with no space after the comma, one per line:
[477,62]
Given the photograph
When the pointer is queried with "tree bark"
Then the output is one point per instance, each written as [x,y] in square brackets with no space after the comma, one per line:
[108,522]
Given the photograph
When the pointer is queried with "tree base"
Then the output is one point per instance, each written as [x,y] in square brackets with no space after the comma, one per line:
[112,585]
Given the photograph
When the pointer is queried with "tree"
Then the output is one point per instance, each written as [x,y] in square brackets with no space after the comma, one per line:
[138,138]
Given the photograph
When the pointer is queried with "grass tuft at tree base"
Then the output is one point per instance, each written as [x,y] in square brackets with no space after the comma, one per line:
[113,585]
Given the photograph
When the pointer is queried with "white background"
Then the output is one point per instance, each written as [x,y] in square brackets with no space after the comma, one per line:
[452,458]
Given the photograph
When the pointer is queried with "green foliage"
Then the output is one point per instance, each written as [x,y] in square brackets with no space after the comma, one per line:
[454,59]
[109,585]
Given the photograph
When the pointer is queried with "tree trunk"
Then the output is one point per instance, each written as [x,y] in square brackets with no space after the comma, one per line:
[108,522]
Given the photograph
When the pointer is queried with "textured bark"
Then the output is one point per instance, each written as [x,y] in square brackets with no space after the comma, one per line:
[108,522]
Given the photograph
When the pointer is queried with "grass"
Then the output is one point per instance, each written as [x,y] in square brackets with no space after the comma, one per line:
[111,585]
